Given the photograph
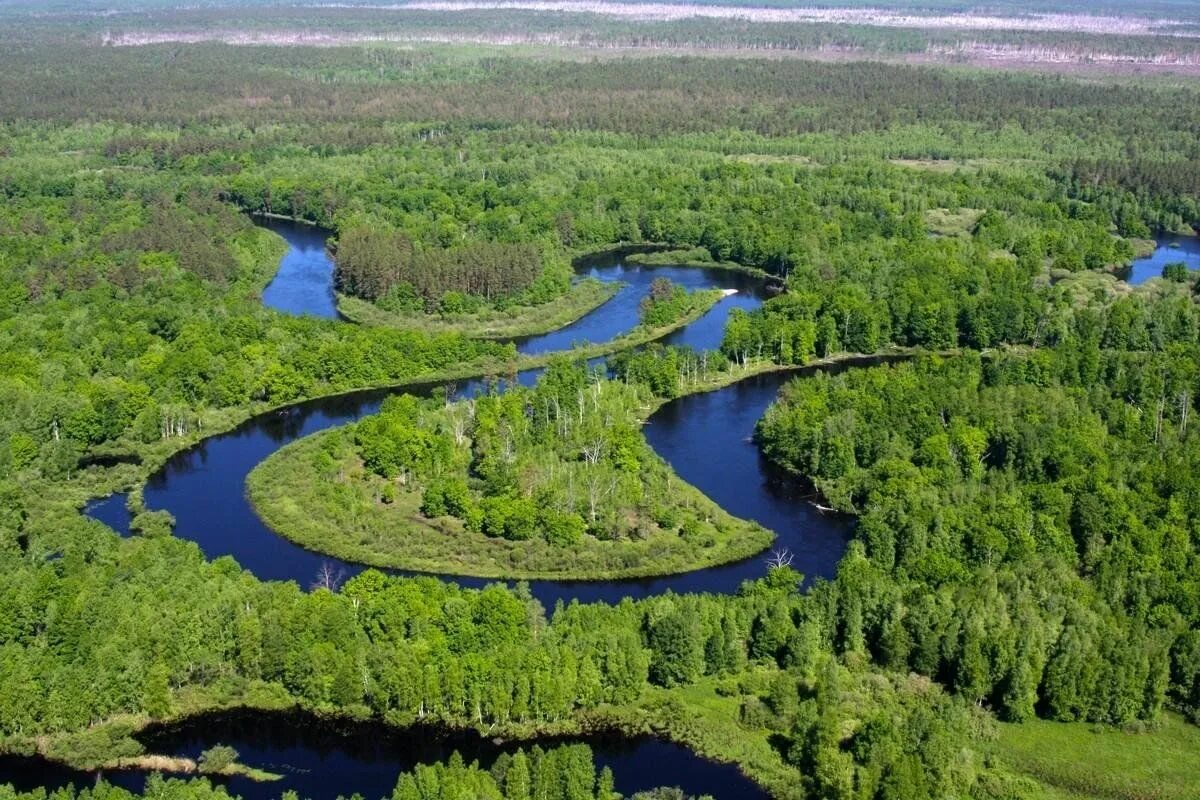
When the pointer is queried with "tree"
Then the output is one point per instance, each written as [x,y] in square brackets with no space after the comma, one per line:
[216,759]
[1176,271]
[677,649]
[156,694]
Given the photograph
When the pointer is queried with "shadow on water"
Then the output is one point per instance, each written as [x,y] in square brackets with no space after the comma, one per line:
[321,758]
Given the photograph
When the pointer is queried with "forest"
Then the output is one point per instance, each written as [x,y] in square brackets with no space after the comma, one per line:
[1003,423]
[375,263]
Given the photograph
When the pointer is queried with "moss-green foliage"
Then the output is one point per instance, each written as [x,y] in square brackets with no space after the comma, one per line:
[217,759]
[1031,550]
[664,303]
[1077,761]
[556,480]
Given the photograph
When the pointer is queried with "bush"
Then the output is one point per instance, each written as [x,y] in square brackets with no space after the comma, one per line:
[691,530]
[153,523]
[562,529]
[447,496]
[667,518]
[1176,271]
[216,759]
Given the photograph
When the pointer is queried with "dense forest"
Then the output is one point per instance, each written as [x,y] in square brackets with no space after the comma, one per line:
[1028,520]
[378,264]
[1028,523]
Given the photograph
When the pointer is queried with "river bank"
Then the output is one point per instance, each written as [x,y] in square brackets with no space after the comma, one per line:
[581,299]
[318,753]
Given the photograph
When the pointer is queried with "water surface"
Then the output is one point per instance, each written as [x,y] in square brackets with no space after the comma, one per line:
[1170,249]
[304,282]
[113,511]
[621,314]
[322,759]
[705,438]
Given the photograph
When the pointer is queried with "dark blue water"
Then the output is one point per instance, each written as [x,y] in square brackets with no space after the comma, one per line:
[204,488]
[620,314]
[707,332]
[706,438]
[112,511]
[304,282]
[1170,249]
[321,759]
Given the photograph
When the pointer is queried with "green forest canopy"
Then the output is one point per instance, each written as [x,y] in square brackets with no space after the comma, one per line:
[130,322]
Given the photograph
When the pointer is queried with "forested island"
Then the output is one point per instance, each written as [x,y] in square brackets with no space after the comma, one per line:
[554,481]
[959,560]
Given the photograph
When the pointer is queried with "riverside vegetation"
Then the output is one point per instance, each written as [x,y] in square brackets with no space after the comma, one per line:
[131,327]
[554,481]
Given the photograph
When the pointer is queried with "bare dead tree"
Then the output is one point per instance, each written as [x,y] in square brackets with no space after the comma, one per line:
[329,577]
[779,559]
[593,448]
[461,415]
[1185,406]
[599,486]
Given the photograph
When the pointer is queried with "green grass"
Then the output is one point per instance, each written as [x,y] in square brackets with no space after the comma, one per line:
[315,492]
[705,720]
[944,222]
[582,298]
[1074,761]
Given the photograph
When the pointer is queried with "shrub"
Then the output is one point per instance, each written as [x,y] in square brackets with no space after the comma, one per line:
[216,759]
[1176,271]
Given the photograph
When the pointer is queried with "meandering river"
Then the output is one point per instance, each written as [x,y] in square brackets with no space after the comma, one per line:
[705,438]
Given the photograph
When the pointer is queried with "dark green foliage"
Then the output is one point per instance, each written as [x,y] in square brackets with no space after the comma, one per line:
[975,486]
[1176,271]
[1027,540]
[375,263]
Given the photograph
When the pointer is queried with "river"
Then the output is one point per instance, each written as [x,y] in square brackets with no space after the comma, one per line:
[322,759]
[706,438]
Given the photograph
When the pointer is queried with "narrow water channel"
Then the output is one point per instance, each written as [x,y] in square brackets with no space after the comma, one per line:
[322,759]
[705,438]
